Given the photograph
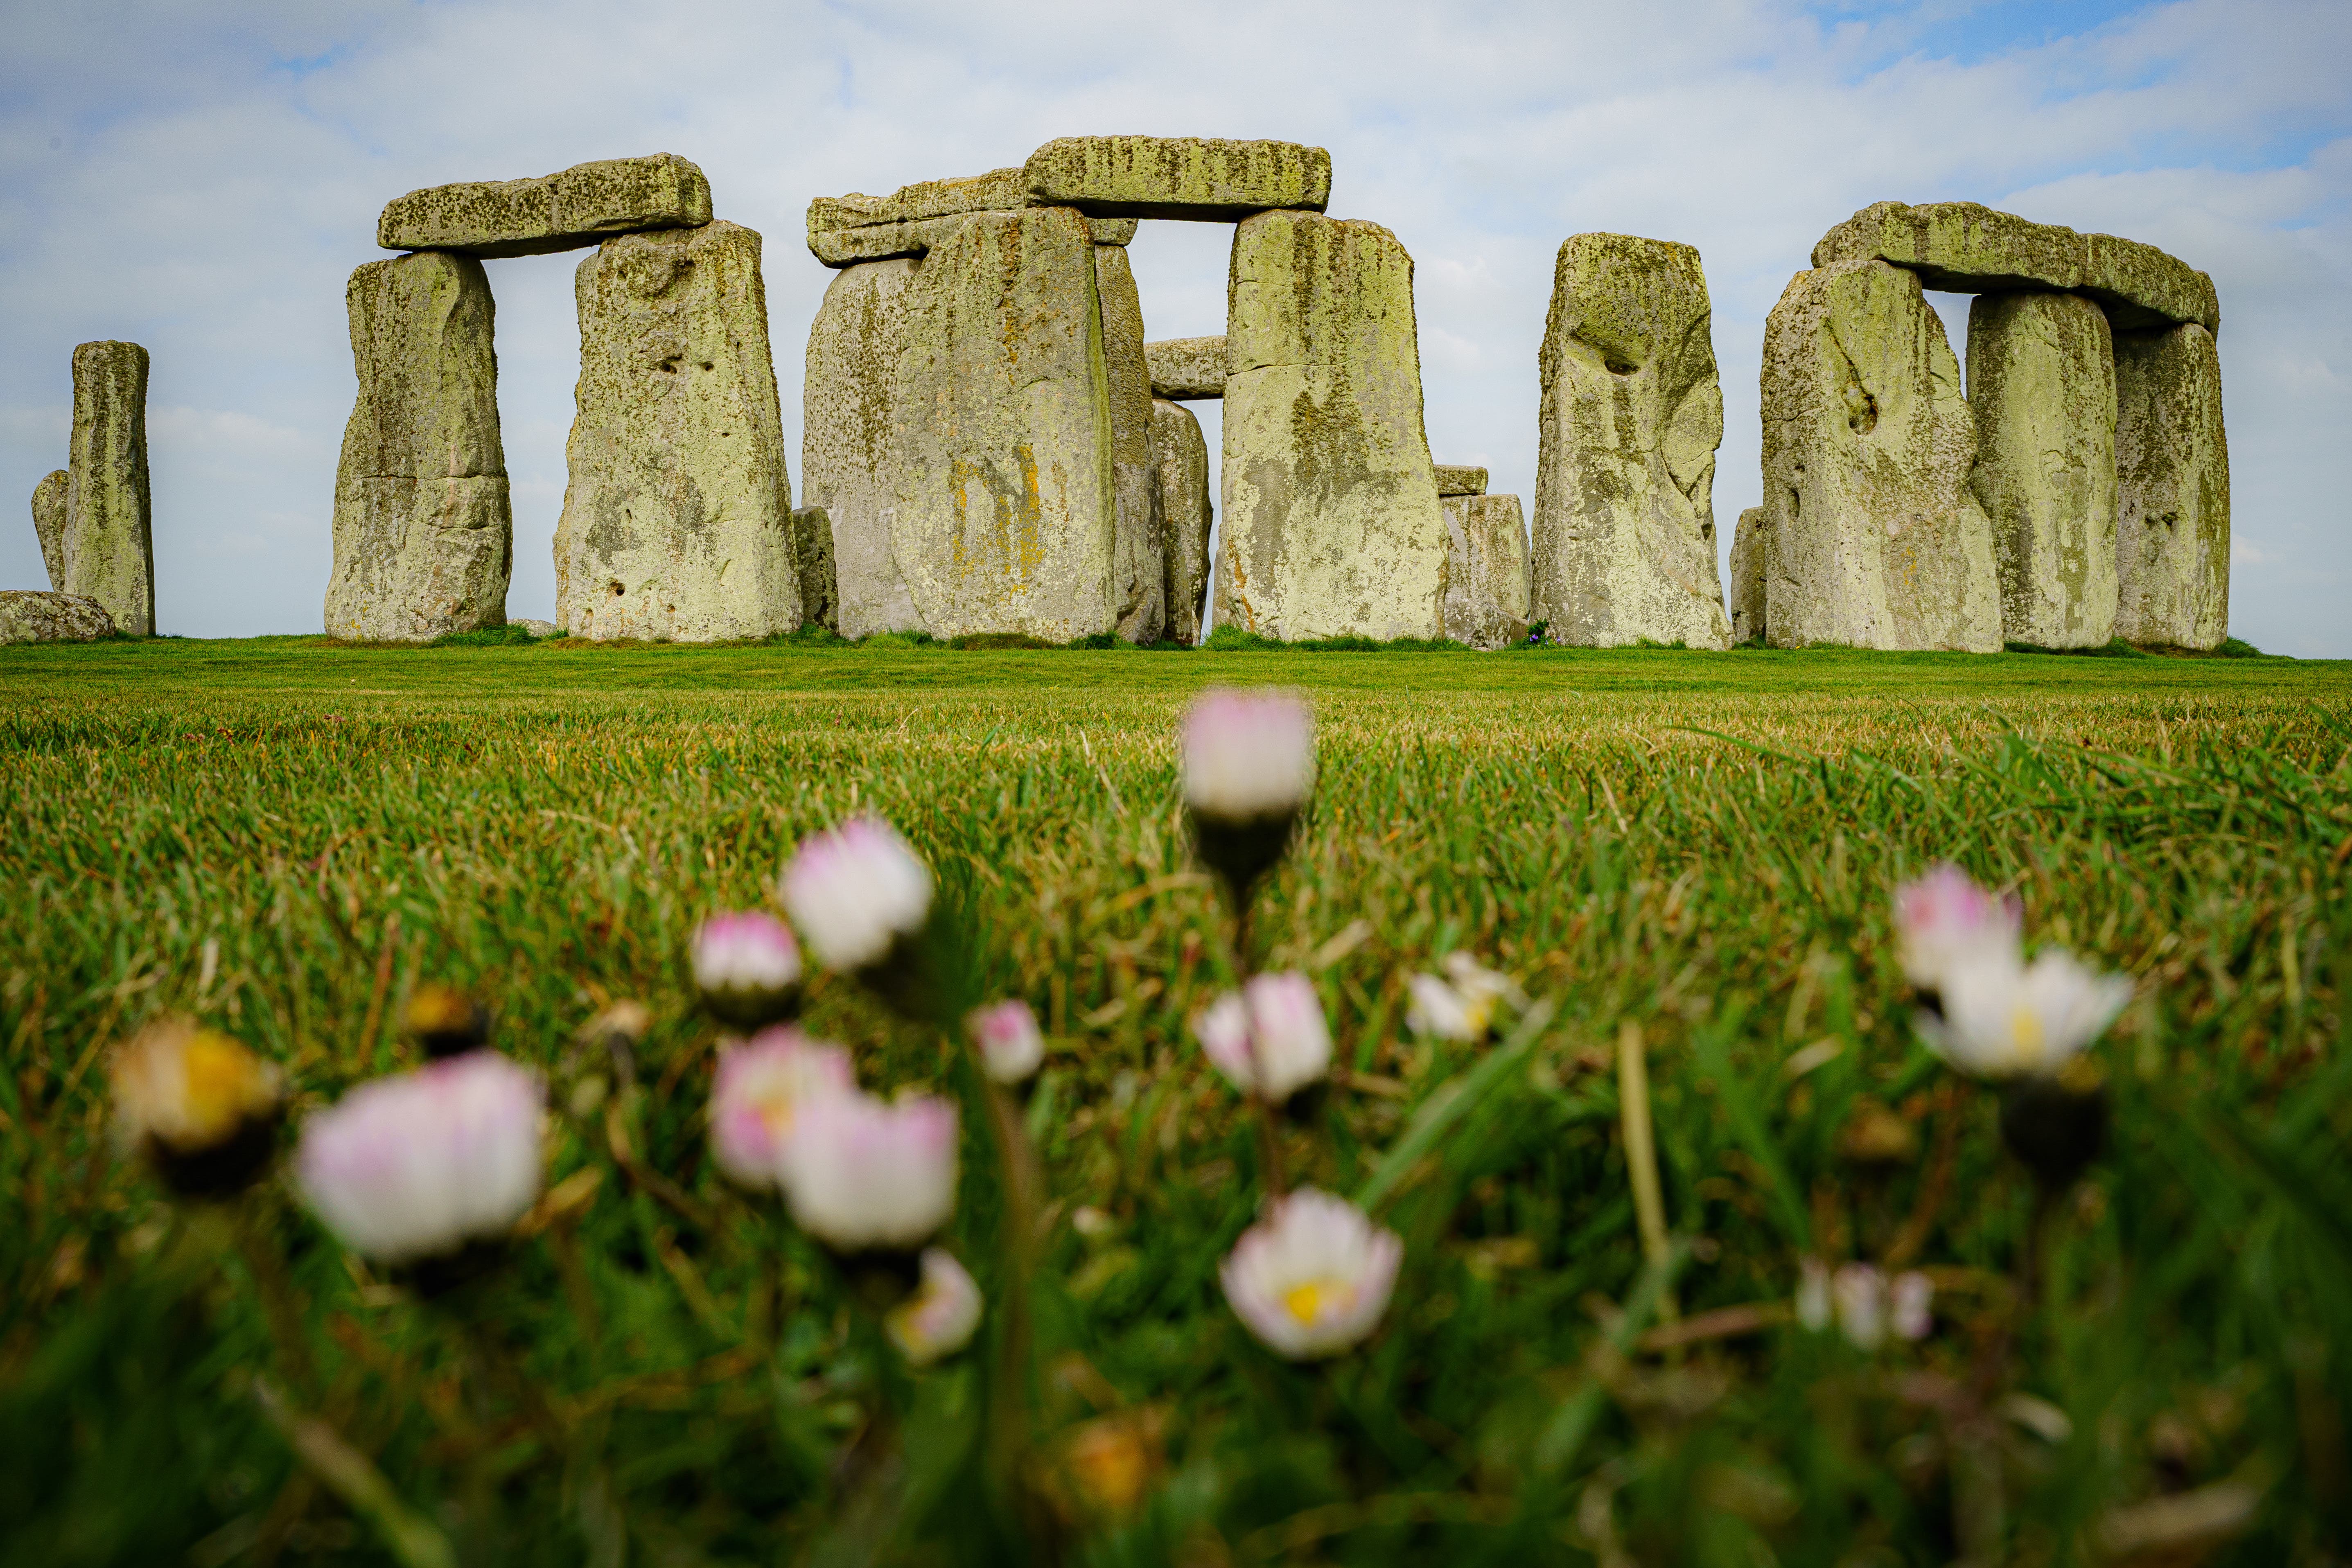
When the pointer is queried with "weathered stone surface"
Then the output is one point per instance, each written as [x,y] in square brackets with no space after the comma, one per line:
[845,230]
[1490,588]
[1331,521]
[676,524]
[1632,414]
[813,549]
[1186,370]
[110,553]
[2172,460]
[583,206]
[878,242]
[1111,230]
[1751,562]
[1181,456]
[1140,611]
[1454,479]
[2042,384]
[29,617]
[424,531]
[49,498]
[1178,176]
[1002,506]
[535,628]
[848,410]
[1877,541]
[1972,248]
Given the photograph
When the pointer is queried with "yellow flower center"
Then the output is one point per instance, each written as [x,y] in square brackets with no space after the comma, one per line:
[2026,1039]
[1317,1299]
[224,1083]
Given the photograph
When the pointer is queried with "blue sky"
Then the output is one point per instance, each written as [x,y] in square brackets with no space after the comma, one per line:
[201,178]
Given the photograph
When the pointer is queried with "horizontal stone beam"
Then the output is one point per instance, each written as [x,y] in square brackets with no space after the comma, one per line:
[583,206]
[1970,248]
[1187,369]
[999,190]
[1455,480]
[1192,177]
[881,241]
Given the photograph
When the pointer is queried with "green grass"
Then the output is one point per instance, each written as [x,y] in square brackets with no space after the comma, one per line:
[282,835]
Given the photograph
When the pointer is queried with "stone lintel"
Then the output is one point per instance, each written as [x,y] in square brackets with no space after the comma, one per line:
[1192,177]
[882,241]
[583,206]
[1456,480]
[1187,369]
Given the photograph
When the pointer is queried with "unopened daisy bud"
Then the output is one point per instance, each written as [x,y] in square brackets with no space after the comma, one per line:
[418,1165]
[757,1093]
[747,968]
[445,1021]
[1249,768]
[1815,1310]
[1012,1047]
[202,1108]
[1269,1038]
[856,891]
[1910,1299]
[1860,1293]
[940,1317]
[2002,1020]
[862,1174]
[1944,918]
[1313,1277]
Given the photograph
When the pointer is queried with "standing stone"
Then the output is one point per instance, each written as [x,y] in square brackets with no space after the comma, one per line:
[49,501]
[28,617]
[1187,369]
[1331,521]
[569,211]
[812,549]
[1460,480]
[2042,384]
[1632,412]
[2172,458]
[677,521]
[848,401]
[1751,562]
[1003,503]
[1488,584]
[1877,541]
[110,553]
[424,529]
[1181,456]
[1140,613]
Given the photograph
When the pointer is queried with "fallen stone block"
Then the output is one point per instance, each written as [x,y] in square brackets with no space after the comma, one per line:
[1877,541]
[535,628]
[1456,480]
[1488,585]
[1178,176]
[2172,463]
[2042,384]
[1971,248]
[1181,456]
[677,521]
[849,399]
[813,549]
[1331,520]
[1139,613]
[585,205]
[109,549]
[1751,561]
[29,617]
[1186,370]
[49,498]
[1632,416]
[424,528]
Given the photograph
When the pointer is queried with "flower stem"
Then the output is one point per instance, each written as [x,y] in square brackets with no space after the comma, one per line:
[1269,1131]
[280,1304]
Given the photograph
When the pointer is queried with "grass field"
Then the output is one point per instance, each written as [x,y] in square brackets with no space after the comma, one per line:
[282,837]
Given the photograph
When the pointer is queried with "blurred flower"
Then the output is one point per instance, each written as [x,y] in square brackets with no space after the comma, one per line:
[420,1164]
[747,968]
[2002,1019]
[1273,1043]
[1462,1005]
[1944,918]
[1011,1046]
[1313,1277]
[1908,1300]
[445,1021]
[758,1092]
[1249,768]
[1860,1293]
[855,892]
[199,1105]
[940,1317]
[1108,1463]
[862,1173]
[1814,1308]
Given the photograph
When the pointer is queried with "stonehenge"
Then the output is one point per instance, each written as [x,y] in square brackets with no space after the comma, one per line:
[2172,467]
[1489,585]
[1179,457]
[50,499]
[583,206]
[28,616]
[106,546]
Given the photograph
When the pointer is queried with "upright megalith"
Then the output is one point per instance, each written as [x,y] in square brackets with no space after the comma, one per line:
[1331,520]
[1489,589]
[1187,369]
[1877,539]
[1632,416]
[1139,613]
[812,554]
[848,404]
[1180,460]
[1002,505]
[2172,460]
[50,497]
[676,523]
[1195,177]
[109,549]
[583,206]
[2042,384]
[424,529]
[1751,558]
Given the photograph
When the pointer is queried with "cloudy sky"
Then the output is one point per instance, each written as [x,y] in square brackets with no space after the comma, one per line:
[201,177]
